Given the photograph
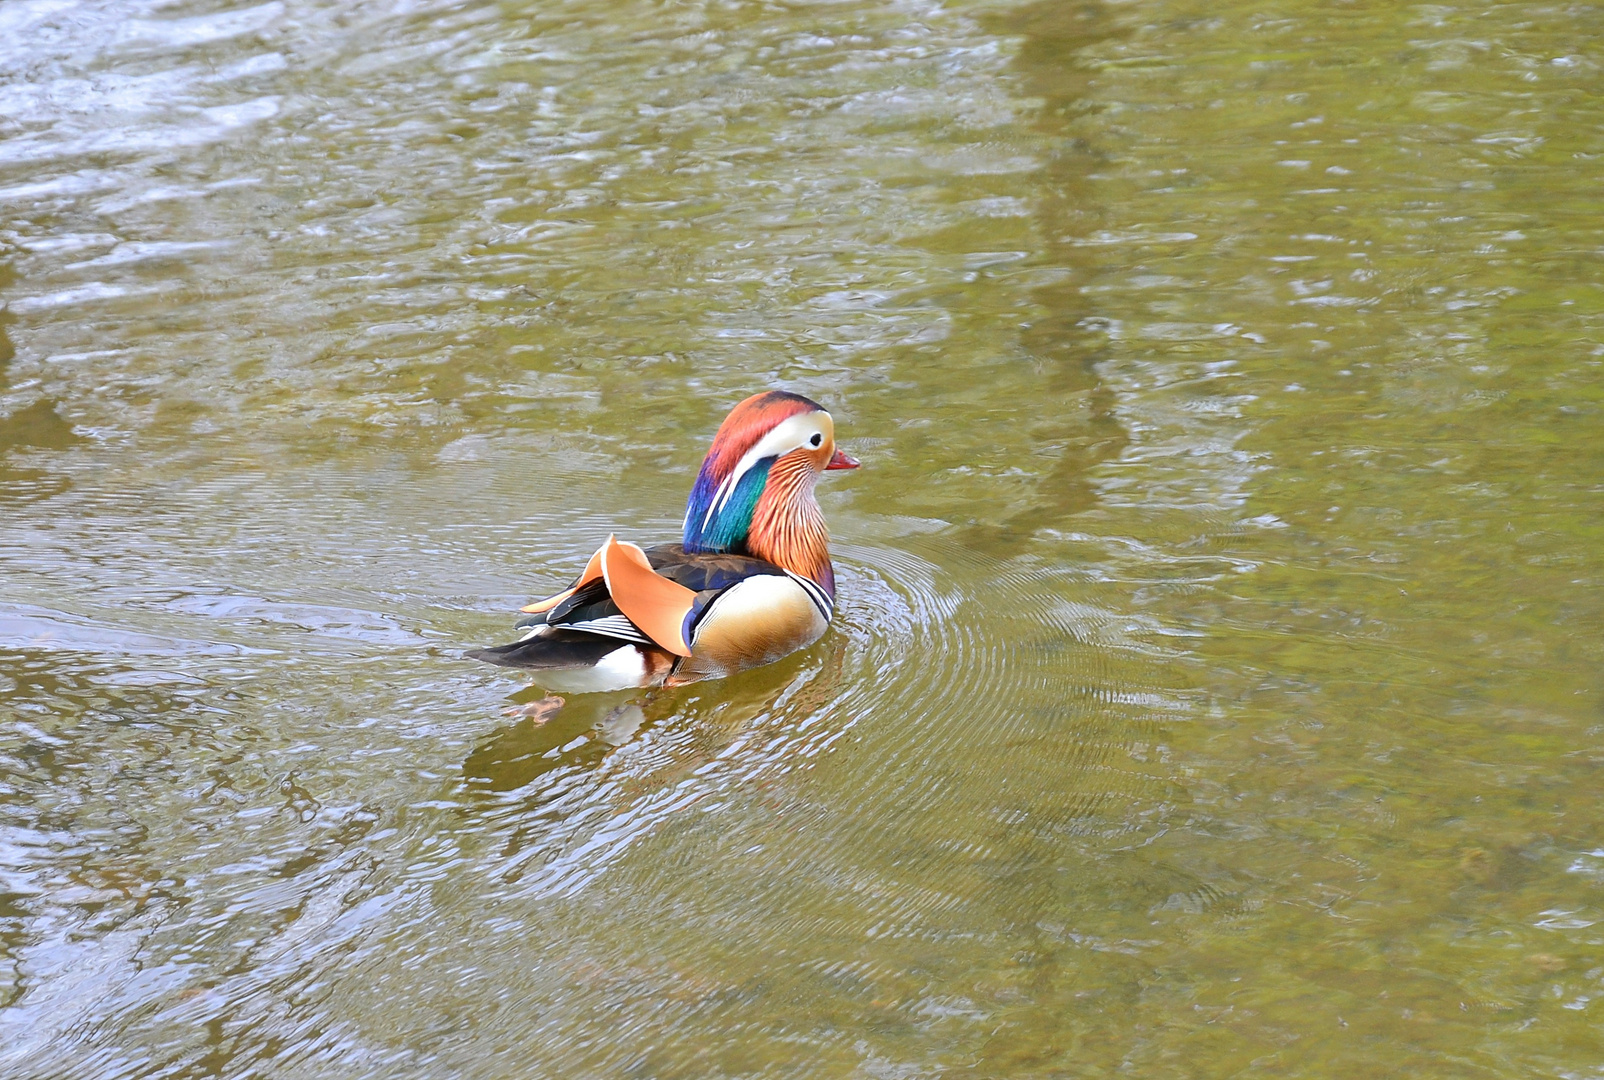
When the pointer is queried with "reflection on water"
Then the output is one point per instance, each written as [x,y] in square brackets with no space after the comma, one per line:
[1214,688]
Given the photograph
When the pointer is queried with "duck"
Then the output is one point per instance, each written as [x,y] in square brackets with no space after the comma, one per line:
[749,582]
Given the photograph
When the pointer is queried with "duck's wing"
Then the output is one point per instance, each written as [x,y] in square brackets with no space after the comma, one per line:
[659,606]
[651,597]
[620,596]
[587,610]
[705,571]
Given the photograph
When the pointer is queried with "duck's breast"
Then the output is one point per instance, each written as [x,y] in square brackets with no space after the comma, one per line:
[753,622]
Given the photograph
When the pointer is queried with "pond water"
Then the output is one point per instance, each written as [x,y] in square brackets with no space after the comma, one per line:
[1216,684]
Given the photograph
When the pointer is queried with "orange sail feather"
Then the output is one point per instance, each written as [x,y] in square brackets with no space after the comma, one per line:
[652,602]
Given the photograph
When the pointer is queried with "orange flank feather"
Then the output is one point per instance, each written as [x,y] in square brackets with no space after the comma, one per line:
[652,602]
[593,570]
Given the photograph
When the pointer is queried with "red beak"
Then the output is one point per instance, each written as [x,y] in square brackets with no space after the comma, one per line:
[842,460]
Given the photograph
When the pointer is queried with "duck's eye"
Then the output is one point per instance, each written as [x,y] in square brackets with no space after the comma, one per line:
[818,437]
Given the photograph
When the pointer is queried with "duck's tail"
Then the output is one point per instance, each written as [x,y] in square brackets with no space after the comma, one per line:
[572,661]
[553,649]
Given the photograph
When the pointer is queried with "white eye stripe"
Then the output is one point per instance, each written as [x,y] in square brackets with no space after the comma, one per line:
[790,434]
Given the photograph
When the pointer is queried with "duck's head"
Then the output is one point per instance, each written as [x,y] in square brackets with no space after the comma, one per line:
[754,494]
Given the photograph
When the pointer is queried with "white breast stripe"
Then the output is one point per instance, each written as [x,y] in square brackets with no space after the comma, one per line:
[820,598]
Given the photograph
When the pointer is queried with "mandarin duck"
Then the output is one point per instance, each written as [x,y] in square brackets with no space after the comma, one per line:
[749,582]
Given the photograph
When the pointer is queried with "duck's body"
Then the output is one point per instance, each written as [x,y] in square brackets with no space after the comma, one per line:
[742,612]
[751,582]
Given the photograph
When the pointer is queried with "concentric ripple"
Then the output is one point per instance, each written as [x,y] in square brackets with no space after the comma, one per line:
[947,697]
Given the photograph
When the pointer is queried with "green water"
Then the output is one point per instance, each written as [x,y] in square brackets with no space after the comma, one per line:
[1215,688]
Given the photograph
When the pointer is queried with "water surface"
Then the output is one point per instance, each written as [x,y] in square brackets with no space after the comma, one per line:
[1215,688]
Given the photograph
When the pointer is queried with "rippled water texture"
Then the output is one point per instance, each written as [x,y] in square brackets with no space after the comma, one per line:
[1216,684]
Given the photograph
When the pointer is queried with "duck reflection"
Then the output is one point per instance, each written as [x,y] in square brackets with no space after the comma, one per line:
[548,733]
[34,427]
[551,733]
